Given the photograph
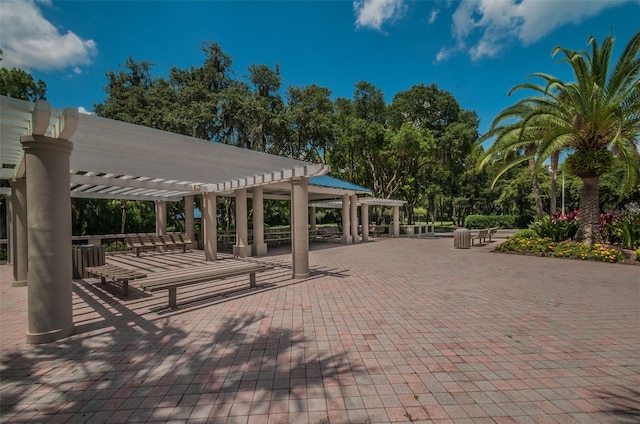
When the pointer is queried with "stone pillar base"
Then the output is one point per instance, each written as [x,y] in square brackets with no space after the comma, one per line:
[346,239]
[22,283]
[242,251]
[298,276]
[51,336]
[259,249]
[356,239]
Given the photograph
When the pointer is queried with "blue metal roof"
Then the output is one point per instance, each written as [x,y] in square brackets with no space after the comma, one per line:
[327,181]
[196,214]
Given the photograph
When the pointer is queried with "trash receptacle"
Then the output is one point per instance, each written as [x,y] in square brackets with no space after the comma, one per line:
[462,239]
[84,256]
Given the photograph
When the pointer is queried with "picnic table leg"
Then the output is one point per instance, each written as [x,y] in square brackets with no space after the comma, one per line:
[252,280]
[173,297]
[125,287]
[103,280]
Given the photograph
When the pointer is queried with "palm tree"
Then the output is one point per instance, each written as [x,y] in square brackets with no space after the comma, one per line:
[593,119]
[513,146]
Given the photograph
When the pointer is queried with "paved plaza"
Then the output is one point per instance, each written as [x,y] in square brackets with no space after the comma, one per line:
[396,330]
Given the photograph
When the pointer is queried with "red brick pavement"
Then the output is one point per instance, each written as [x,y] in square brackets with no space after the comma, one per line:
[397,330]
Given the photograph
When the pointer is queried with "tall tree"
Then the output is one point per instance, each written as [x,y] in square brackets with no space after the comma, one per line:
[311,113]
[593,118]
[20,84]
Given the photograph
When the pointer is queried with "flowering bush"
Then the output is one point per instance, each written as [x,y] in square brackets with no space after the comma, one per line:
[558,227]
[621,228]
[544,246]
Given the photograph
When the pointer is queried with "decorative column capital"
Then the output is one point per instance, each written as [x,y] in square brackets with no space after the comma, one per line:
[42,142]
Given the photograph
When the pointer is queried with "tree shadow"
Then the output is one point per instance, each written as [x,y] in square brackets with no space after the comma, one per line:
[134,363]
[624,404]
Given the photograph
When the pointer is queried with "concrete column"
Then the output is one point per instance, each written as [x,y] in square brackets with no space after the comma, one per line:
[346,226]
[259,247]
[241,249]
[20,232]
[300,226]
[209,226]
[161,217]
[353,207]
[312,218]
[10,241]
[364,220]
[189,220]
[396,221]
[49,292]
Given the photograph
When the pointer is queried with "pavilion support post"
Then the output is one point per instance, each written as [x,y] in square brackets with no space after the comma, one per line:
[346,226]
[259,247]
[364,220]
[49,292]
[396,221]
[189,220]
[241,249]
[300,226]
[10,240]
[161,217]
[210,226]
[353,206]
[312,218]
[20,232]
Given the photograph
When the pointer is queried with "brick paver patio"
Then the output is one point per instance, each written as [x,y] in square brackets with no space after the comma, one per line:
[397,330]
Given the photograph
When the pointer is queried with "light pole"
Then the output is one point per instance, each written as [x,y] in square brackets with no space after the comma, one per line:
[562,192]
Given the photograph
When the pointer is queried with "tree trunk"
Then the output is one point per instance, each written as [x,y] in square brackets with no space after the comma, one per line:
[555,158]
[589,229]
[123,218]
[536,188]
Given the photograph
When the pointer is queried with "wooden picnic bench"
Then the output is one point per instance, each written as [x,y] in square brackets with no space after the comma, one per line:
[147,241]
[222,269]
[115,274]
[491,232]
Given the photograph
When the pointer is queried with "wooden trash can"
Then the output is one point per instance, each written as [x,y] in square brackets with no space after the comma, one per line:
[84,256]
[462,239]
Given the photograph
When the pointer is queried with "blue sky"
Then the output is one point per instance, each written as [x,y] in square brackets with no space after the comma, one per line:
[475,49]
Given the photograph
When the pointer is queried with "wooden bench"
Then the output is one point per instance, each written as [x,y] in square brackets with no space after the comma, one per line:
[481,237]
[222,269]
[491,232]
[139,242]
[115,274]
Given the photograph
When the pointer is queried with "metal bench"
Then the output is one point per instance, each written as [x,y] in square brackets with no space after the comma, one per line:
[222,269]
[481,237]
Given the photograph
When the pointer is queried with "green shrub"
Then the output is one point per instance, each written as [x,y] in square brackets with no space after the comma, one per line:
[627,229]
[523,221]
[555,229]
[490,221]
[525,234]
[638,254]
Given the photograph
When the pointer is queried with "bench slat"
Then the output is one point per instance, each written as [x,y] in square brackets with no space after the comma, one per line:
[179,278]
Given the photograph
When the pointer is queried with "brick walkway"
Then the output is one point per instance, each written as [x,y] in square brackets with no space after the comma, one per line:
[397,330]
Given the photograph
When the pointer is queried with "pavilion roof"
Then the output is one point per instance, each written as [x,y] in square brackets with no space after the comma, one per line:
[117,160]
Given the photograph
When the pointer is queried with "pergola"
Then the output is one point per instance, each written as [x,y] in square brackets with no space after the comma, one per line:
[49,155]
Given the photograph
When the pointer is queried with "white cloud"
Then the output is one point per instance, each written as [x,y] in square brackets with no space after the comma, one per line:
[434,15]
[30,41]
[84,111]
[374,13]
[494,24]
